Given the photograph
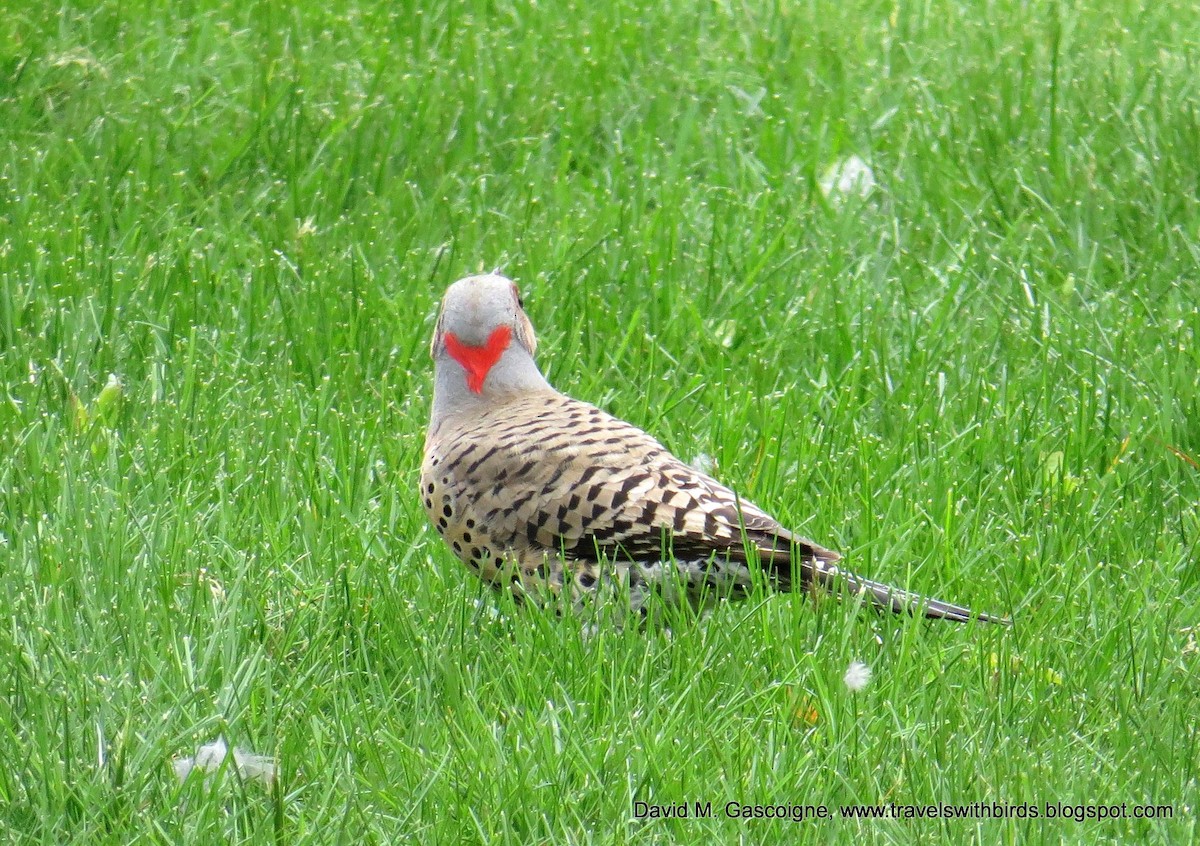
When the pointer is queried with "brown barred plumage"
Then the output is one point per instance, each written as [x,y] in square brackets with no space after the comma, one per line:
[538,492]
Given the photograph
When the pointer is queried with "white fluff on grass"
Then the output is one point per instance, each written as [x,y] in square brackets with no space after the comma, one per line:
[846,178]
[211,756]
[858,676]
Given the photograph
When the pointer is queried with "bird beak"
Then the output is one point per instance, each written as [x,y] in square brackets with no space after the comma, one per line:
[437,338]
[525,332]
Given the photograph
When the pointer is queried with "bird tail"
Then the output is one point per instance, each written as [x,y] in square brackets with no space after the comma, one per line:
[896,600]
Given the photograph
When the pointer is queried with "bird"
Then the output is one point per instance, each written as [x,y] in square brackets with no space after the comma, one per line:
[549,497]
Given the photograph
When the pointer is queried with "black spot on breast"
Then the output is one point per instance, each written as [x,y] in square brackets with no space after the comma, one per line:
[466,536]
[457,548]
[587,580]
[470,523]
[476,554]
[442,524]
[430,487]
[447,510]
[428,504]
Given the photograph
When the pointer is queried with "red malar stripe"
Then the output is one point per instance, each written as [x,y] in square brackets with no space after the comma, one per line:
[477,361]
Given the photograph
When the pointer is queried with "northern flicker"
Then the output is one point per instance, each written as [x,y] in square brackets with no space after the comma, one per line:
[540,493]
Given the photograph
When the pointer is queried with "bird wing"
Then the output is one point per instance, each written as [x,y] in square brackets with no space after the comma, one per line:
[562,475]
[559,475]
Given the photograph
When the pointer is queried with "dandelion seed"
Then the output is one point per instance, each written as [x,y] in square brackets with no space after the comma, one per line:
[858,676]
[210,756]
[847,178]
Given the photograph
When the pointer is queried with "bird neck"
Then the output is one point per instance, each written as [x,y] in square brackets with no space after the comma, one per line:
[514,375]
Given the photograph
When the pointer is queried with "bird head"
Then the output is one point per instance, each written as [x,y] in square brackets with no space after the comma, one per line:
[482,324]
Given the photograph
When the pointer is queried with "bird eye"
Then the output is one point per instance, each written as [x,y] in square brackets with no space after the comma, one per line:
[520,300]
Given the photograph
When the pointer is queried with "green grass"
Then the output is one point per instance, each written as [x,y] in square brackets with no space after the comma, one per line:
[980,383]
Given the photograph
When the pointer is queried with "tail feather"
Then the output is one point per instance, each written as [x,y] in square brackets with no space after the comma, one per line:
[901,601]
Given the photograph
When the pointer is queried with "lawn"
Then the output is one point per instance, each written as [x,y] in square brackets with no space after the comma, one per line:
[978,380]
